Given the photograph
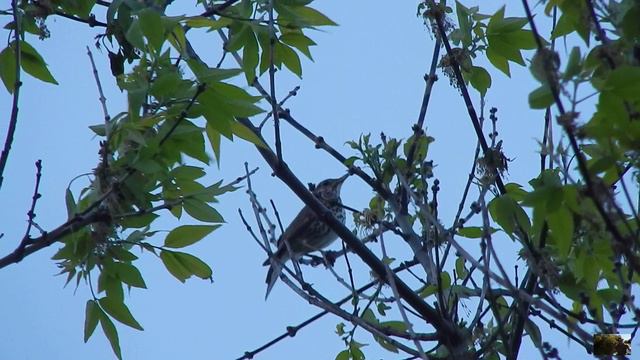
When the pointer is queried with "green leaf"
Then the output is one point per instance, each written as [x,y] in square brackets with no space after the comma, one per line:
[523,39]
[222,101]
[534,332]
[480,79]
[573,19]
[111,333]
[250,58]
[299,41]
[129,274]
[109,283]
[174,266]
[499,61]
[81,8]
[343,355]
[574,65]
[245,133]
[265,60]
[516,191]
[199,21]
[71,204]
[8,68]
[134,35]
[211,75]
[461,270]
[119,311]
[138,221]
[369,316]
[177,38]
[462,291]
[354,348]
[196,266]
[188,172]
[239,37]
[166,84]
[186,235]
[113,8]
[561,226]
[541,98]
[509,214]
[428,291]
[503,47]
[33,63]
[313,17]
[214,140]
[199,210]
[91,318]
[474,232]
[399,326]
[625,82]
[289,58]
[464,24]
[387,345]
[499,24]
[610,295]
[120,253]
[564,27]
[445,280]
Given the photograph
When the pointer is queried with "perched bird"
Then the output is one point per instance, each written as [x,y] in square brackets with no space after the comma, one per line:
[307,233]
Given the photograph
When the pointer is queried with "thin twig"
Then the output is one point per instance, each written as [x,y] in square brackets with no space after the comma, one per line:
[320,301]
[272,82]
[31,213]
[467,99]
[215,10]
[291,93]
[392,284]
[429,82]
[102,98]
[183,114]
[91,20]
[13,120]
[350,272]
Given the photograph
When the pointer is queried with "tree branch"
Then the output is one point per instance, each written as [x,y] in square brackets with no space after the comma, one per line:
[34,244]
[465,95]
[13,120]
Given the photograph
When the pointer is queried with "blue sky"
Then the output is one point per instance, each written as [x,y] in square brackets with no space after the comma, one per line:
[367,78]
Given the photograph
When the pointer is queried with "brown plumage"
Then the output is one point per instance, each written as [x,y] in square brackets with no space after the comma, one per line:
[307,233]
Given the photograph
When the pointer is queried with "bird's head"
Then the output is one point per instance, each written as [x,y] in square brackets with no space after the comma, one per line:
[330,189]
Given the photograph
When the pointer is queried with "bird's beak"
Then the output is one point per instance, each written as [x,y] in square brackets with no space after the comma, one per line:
[342,178]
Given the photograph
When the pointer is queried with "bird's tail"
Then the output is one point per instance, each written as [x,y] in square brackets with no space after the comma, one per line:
[276,262]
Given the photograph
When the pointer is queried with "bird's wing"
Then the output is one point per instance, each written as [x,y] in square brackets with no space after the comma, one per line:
[296,229]
[298,226]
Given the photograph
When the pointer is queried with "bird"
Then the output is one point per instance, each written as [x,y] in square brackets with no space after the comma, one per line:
[307,232]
